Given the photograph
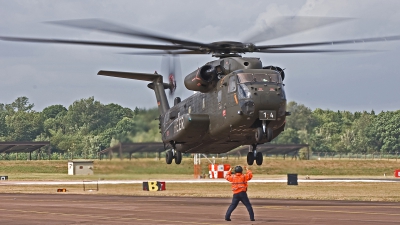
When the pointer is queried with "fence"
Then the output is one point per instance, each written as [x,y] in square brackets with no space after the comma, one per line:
[302,156]
[355,156]
[43,155]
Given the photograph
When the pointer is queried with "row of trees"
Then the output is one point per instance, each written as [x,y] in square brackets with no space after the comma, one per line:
[88,126]
[342,131]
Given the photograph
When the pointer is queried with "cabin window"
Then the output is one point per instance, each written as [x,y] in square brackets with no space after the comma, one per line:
[173,115]
[204,103]
[166,118]
[190,109]
[219,96]
[244,92]
[232,84]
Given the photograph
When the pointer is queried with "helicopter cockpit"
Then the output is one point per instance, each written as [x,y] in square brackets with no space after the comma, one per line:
[249,84]
[254,78]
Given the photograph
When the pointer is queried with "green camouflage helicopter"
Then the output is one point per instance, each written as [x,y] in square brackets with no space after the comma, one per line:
[237,100]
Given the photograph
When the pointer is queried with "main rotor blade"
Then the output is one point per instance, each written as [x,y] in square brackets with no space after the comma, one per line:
[352,41]
[183,52]
[108,27]
[284,26]
[97,43]
[306,51]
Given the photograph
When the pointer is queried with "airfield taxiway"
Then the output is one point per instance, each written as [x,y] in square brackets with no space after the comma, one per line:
[66,208]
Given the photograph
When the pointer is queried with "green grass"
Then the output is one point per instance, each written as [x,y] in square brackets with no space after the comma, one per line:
[152,168]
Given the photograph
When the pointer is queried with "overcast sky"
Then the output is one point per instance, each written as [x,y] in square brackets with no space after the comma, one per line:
[51,74]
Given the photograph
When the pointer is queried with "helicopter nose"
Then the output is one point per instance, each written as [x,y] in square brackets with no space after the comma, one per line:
[248,107]
[268,97]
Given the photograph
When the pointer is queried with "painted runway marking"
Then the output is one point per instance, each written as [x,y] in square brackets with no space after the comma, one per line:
[329,211]
[98,217]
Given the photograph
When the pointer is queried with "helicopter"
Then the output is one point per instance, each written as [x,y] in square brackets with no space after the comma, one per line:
[237,101]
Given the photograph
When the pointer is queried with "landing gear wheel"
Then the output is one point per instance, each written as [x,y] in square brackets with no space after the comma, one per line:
[269,134]
[259,134]
[178,157]
[168,156]
[250,158]
[259,158]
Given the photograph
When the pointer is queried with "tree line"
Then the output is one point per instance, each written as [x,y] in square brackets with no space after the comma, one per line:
[85,128]
[342,131]
[88,126]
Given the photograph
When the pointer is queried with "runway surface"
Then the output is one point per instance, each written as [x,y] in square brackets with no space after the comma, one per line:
[65,208]
[195,181]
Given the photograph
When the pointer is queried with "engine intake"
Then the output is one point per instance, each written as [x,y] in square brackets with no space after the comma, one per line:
[201,79]
[276,68]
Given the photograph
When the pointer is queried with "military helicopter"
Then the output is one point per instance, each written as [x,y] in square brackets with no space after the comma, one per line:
[237,100]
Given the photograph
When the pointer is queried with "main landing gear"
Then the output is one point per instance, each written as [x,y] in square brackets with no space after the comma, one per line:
[173,154]
[254,155]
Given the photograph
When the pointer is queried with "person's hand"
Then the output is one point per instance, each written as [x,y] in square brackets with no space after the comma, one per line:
[245,168]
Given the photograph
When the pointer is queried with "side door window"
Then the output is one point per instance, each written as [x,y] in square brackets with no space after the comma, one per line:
[232,84]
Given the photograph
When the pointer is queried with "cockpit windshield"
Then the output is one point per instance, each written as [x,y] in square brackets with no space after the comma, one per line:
[259,77]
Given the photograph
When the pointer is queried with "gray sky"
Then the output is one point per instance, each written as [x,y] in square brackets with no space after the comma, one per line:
[60,74]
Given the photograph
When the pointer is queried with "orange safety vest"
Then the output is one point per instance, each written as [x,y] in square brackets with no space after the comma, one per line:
[239,181]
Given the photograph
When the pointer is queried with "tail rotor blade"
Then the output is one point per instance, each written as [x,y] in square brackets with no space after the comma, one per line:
[172,75]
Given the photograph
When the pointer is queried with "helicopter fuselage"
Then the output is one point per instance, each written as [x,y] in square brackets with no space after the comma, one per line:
[226,115]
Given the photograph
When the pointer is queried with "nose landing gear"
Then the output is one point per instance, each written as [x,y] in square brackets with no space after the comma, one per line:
[262,132]
[254,155]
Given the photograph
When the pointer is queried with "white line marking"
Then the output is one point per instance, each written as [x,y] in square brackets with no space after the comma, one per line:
[190,181]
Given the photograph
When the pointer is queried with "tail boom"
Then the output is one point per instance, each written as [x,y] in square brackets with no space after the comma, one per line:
[156,84]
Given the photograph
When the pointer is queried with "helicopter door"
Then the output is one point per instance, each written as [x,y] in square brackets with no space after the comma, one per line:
[231,95]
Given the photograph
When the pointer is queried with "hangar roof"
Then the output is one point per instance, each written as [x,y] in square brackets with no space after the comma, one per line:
[159,147]
[21,146]
[135,147]
[271,148]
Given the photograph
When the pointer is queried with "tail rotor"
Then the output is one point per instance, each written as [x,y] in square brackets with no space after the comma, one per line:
[170,64]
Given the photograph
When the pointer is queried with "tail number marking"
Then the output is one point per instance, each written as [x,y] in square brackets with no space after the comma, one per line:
[267,115]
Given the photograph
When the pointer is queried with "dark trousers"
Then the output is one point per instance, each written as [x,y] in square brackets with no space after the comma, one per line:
[240,197]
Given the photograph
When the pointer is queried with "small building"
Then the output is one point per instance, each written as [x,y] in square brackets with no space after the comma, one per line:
[80,167]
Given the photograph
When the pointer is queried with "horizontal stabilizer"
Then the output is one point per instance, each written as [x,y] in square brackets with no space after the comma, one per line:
[129,75]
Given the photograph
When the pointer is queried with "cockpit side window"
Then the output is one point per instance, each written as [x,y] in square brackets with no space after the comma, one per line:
[274,78]
[245,77]
[232,84]
[259,77]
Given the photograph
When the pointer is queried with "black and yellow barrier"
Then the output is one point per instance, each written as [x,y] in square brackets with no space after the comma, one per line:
[154,186]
